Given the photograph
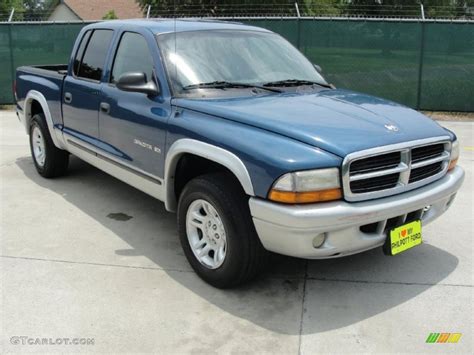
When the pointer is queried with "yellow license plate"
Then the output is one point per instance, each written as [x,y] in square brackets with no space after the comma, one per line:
[404,237]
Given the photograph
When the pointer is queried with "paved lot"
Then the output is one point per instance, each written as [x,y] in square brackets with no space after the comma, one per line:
[73,265]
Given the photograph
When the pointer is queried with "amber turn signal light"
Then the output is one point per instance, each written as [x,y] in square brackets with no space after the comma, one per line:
[305,197]
[452,164]
[454,155]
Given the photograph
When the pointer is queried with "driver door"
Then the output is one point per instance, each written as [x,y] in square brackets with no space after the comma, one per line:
[132,125]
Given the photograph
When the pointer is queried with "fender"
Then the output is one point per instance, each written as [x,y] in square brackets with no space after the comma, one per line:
[56,134]
[204,150]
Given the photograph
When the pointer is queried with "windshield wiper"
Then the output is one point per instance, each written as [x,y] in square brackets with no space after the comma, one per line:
[226,84]
[295,82]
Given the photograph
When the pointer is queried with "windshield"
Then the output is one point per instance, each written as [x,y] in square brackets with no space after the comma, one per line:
[244,57]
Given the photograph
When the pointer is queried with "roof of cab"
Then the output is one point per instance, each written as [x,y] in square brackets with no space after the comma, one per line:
[159,26]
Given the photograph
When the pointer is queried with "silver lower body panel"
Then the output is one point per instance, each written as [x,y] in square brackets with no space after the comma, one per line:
[350,227]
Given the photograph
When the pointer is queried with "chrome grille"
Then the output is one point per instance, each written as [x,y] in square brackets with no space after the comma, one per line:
[393,169]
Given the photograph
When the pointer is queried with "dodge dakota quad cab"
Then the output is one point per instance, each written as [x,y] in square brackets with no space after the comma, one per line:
[236,131]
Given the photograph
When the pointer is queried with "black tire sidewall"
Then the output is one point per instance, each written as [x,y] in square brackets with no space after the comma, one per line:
[235,227]
[38,121]
[56,160]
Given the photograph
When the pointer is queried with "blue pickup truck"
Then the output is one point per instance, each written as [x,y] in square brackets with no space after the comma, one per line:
[239,134]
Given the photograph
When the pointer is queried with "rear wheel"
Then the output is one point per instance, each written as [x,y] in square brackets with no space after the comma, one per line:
[48,159]
[217,233]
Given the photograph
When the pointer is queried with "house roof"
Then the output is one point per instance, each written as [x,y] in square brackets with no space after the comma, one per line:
[96,9]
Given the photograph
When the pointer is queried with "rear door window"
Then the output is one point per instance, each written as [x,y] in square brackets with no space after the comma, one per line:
[93,59]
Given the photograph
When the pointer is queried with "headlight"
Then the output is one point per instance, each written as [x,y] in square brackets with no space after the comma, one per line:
[307,187]
[454,155]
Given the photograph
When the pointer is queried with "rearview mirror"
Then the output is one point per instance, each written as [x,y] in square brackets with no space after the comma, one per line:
[137,82]
[318,68]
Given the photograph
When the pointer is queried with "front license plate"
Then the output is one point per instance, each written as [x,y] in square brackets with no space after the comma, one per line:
[403,238]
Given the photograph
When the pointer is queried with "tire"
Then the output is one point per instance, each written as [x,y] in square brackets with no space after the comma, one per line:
[244,255]
[49,161]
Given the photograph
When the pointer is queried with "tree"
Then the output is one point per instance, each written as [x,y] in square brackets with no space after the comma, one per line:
[447,8]
[27,10]
[202,8]
[110,16]
[6,7]
[409,8]
[321,7]
[362,8]
[38,10]
[384,8]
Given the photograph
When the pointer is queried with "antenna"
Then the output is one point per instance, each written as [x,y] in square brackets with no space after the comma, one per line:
[175,39]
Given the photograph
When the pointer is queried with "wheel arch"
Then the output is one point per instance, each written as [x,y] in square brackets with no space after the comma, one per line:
[33,102]
[211,153]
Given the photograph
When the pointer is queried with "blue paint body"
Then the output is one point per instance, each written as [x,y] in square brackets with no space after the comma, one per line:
[271,133]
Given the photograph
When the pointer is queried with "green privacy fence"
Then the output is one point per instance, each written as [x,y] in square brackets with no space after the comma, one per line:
[33,43]
[425,65]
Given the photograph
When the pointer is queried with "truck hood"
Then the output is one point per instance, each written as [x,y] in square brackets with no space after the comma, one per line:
[338,121]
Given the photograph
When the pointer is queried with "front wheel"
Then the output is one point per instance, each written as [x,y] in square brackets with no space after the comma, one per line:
[217,232]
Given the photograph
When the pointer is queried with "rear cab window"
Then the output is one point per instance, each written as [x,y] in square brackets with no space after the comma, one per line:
[91,54]
[80,52]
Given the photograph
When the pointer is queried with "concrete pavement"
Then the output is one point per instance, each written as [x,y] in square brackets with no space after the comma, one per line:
[86,256]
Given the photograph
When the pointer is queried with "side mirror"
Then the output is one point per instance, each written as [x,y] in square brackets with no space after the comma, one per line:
[318,68]
[137,82]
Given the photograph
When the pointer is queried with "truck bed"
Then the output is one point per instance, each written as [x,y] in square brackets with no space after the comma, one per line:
[54,70]
[46,79]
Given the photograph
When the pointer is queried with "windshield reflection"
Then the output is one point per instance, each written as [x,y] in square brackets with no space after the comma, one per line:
[247,57]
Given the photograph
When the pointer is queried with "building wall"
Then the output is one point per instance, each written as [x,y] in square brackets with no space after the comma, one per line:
[63,13]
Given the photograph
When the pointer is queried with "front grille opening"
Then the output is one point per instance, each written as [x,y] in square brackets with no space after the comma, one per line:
[426,152]
[393,222]
[375,184]
[413,216]
[369,228]
[376,163]
[425,172]
[357,178]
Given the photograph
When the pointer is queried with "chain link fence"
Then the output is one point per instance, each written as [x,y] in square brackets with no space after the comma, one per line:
[453,9]
[426,65]
[311,9]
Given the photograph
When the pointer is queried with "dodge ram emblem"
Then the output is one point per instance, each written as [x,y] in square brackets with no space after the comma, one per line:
[391,127]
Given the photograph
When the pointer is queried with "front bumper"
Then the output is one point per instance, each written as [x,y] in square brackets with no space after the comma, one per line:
[350,227]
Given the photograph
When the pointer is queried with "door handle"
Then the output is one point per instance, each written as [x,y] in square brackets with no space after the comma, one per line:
[104,107]
[68,97]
